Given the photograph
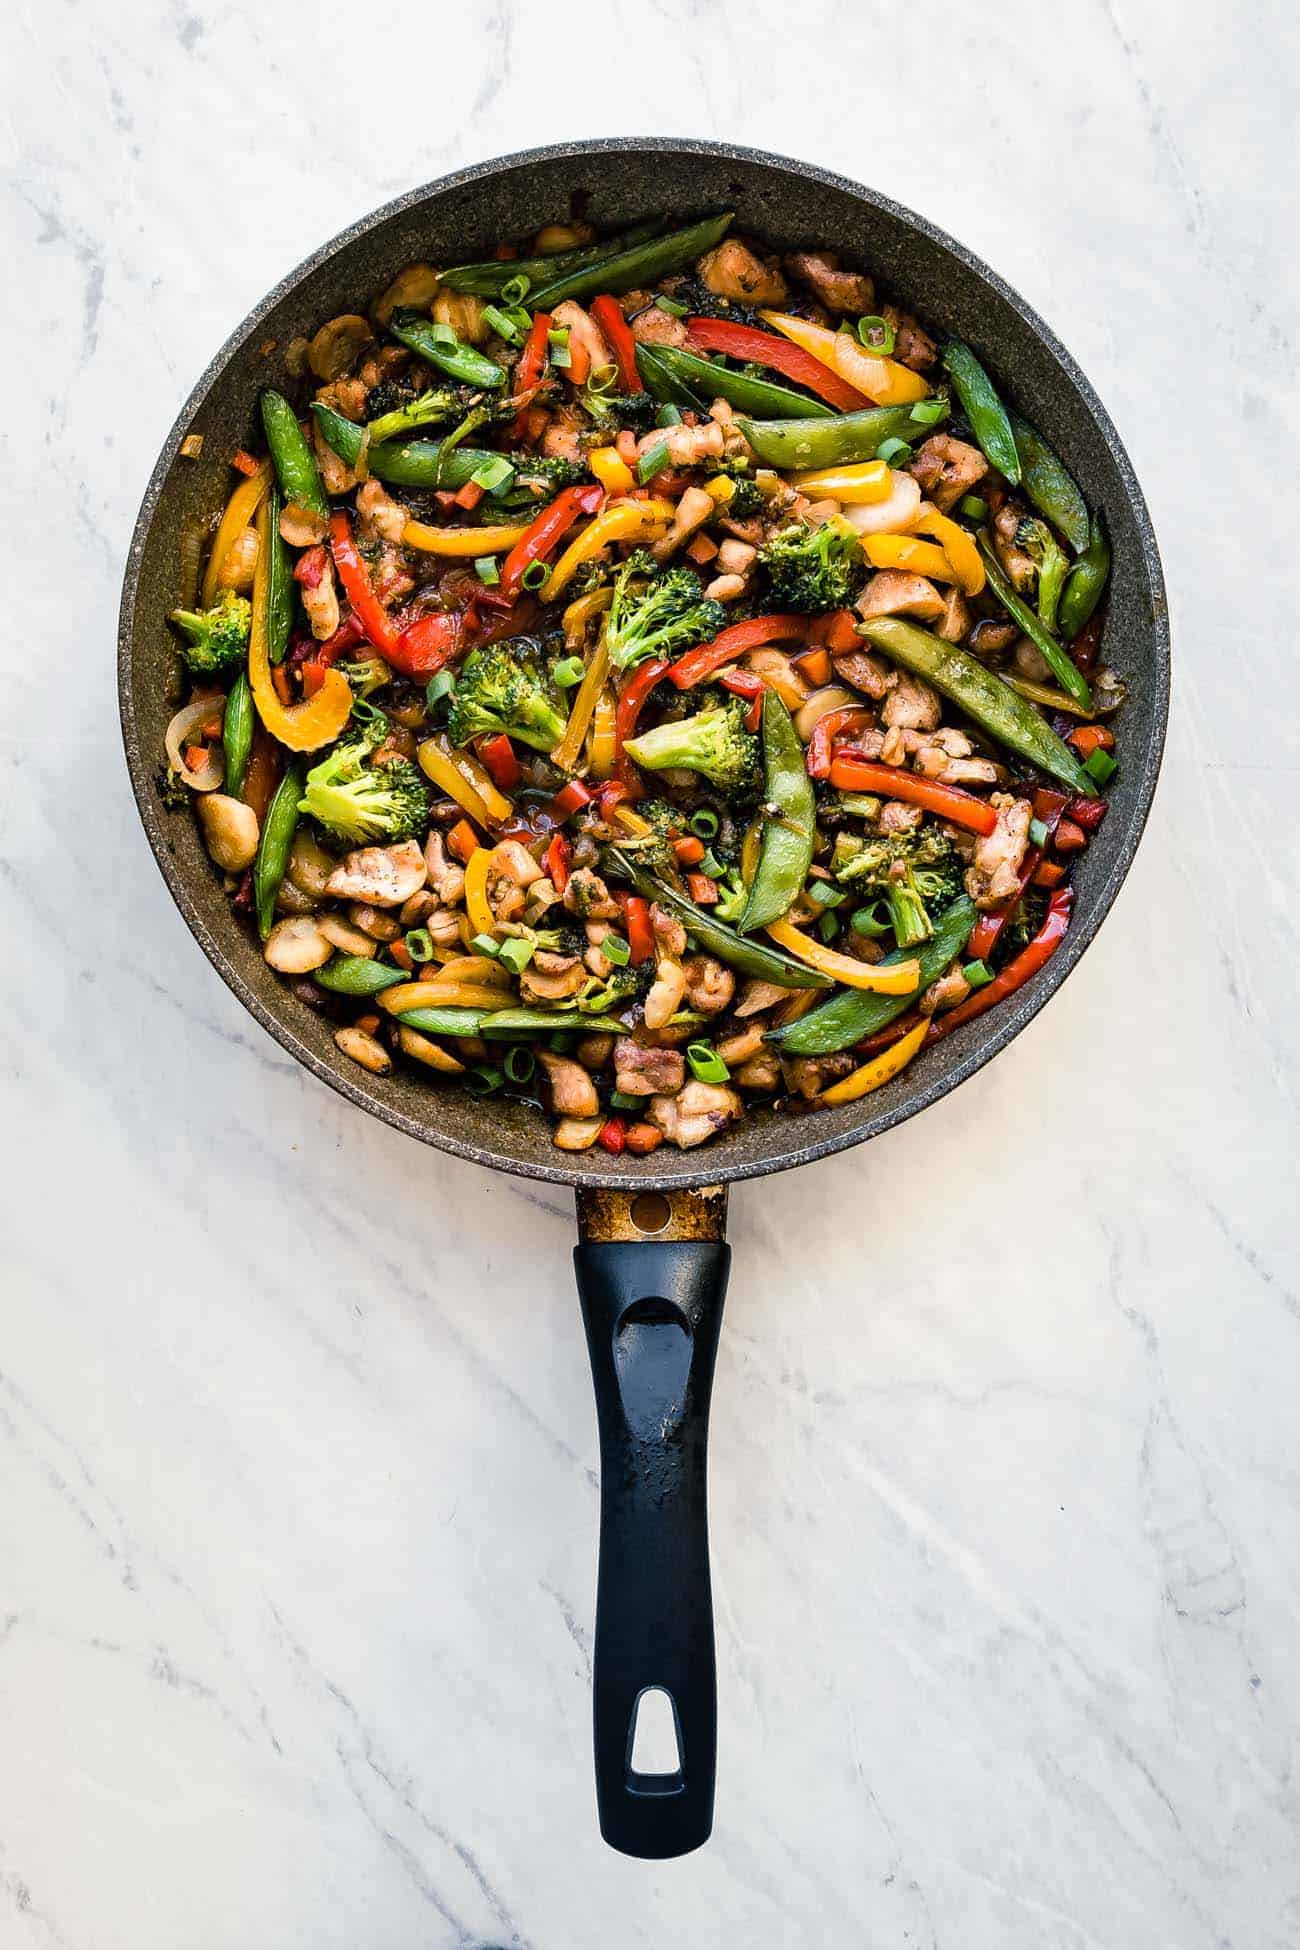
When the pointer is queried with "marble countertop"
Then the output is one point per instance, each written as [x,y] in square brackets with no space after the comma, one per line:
[297,1491]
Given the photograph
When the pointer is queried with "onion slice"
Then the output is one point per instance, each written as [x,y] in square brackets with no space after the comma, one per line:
[213,769]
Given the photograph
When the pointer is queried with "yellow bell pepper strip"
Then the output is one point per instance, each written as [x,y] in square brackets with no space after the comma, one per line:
[476,900]
[879,1070]
[884,381]
[620,521]
[858,481]
[580,612]
[405,996]
[318,720]
[614,475]
[569,749]
[437,762]
[1045,694]
[463,541]
[894,978]
[905,552]
[600,742]
[957,544]
[632,822]
[720,489]
[479,969]
[239,511]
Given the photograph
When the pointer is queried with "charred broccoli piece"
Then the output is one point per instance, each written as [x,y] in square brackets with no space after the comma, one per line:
[538,477]
[504,688]
[657,612]
[713,743]
[910,872]
[408,415]
[1035,539]
[612,411]
[813,568]
[215,639]
[359,799]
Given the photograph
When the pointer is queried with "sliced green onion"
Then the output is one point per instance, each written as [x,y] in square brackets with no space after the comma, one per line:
[977,974]
[615,950]
[877,334]
[927,411]
[709,863]
[892,450]
[568,672]
[668,415]
[515,290]
[973,508]
[558,336]
[862,805]
[704,823]
[652,463]
[602,379]
[872,921]
[419,944]
[561,357]
[624,1100]
[502,324]
[1100,766]
[495,475]
[485,568]
[487,944]
[561,1041]
[825,893]
[534,575]
[1038,833]
[519,1063]
[440,685]
[706,1064]
[673,307]
[828,927]
[516,953]
[481,1080]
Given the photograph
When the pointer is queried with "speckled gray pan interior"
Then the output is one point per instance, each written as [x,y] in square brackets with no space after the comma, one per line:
[616,183]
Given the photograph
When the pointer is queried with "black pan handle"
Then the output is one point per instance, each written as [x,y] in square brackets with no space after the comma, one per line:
[652,1308]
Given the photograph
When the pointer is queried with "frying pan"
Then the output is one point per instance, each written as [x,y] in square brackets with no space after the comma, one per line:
[652,1262]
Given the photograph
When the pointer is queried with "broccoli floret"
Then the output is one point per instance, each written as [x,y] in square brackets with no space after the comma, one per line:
[365,674]
[567,940]
[504,687]
[654,850]
[745,499]
[1036,540]
[714,743]
[813,568]
[911,872]
[442,403]
[610,411]
[360,801]
[216,638]
[732,896]
[657,612]
[617,989]
[540,476]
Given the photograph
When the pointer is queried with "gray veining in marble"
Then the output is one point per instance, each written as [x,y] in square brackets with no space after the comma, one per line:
[297,1493]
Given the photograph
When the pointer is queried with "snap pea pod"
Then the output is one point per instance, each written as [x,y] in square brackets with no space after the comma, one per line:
[623,268]
[708,382]
[456,360]
[983,408]
[237,734]
[812,442]
[279,586]
[1049,484]
[488,279]
[1085,582]
[716,937]
[854,1013]
[790,825]
[293,460]
[273,848]
[982,695]
[443,1022]
[403,463]
[1059,661]
[529,1022]
[663,383]
[358,975]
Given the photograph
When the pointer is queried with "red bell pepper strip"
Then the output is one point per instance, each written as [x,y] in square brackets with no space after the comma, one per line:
[851,717]
[426,645]
[893,1032]
[752,347]
[608,314]
[310,567]
[498,754]
[850,773]
[545,532]
[838,630]
[529,367]
[1049,804]
[570,798]
[1016,973]
[640,931]
[355,577]
[747,684]
[557,859]
[631,698]
[705,658]
[609,796]
[612,1135]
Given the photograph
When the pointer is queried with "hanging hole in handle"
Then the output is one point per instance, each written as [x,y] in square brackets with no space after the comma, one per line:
[655,1762]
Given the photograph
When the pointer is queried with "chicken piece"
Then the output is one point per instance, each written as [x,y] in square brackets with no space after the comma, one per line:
[692,511]
[347,397]
[464,313]
[994,872]
[687,446]
[446,877]
[761,1072]
[892,592]
[956,619]
[948,757]
[382,876]
[1020,568]
[740,1045]
[588,896]
[864,672]
[808,1076]
[338,477]
[911,705]
[913,346]
[654,326]
[709,986]
[839,290]
[572,1092]
[946,993]
[382,518]
[668,931]
[736,558]
[239,563]
[1030,661]
[990,637]
[380,927]
[551,978]
[896,816]
[725,589]
[646,1072]
[947,468]
[666,991]
[757,996]
[562,443]
[696,1113]
[732,271]
[583,331]
[577,1133]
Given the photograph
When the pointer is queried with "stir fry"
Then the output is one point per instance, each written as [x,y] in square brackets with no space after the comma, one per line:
[651,677]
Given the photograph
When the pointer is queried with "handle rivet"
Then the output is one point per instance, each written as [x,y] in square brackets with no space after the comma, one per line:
[650,1212]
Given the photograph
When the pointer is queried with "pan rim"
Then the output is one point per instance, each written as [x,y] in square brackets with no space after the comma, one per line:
[989,1039]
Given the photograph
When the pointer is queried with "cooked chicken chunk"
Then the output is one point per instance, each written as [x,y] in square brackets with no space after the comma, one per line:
[382,876]
[696,1113]
[947,468]
[572,1092]
[656,327]
[892,592]
[709,986]
[911,705]
[994,872]
[839,290]
[643,1072]
[732,271]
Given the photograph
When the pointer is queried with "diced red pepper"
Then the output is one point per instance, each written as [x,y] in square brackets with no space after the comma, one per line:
[498,754]
[689,850]
[753,347]
[702,890]
[1070,837]
[469,496]
[849,717]
[1048,873]
[401,954]
[631,698]
[1088,738]
[837,630]
[612,1135]
[195,756]
[557,860]
[609,796]
[313,675]
[355,577]
[705,658]
[265,765]
[462,840]
[426,645]
[570,798]
[640,932]
[608,314]
[642,1139]
[1016,973]
[243,462]
[310,566]
[545,531]
[529,367]
[851,773]
[746,683]
[1087,813]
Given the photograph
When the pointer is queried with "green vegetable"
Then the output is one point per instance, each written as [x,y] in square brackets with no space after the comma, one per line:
[1100,765]
[439,345]
[490,278]
[1085,583]
[974,508]
[1035,539]
[273,847]
[812,569]
[622,268]
[704,823]
[293,460]
[214,639]
[438,1021]
[977,974]
[908,872]
[715,937]
[364,803]
[663,383]
[652,462]
[529,1022]
[402,463]
[516,953]
[854,1013]
[426,411]
[237,733]
[482,1080]
[657,612]
[623,1100]
[419,944]
[713,743]
[1054,492]
[810,442]
[357,975]
[504,687]
[873,921]
[279,594]
[519,1063]
[893,451]
[877,334]
[789,823]
[568,672]
[982,695]
[706,1064]
[1063,668]
[706,381]
[983,408]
